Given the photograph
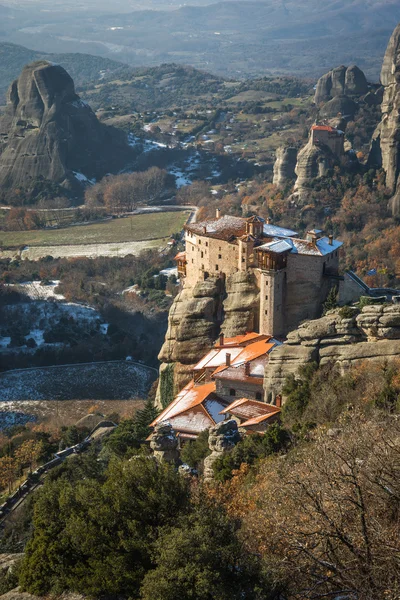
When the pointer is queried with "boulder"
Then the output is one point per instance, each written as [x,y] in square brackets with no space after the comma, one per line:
[312,162]
[222,438]
[241,304]
[284,167]
[48,133]
[372,335]
[339,105]
[341,81]
[164,443]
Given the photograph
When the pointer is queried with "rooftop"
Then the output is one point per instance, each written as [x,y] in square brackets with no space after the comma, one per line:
[251,412]
[320,247]
[326,128]
[223,228]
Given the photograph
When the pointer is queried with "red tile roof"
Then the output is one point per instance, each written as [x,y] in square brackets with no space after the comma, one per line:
[180,256]
[251,410]
[323,128]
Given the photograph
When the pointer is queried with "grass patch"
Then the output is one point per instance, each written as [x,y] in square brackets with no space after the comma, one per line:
[130,229]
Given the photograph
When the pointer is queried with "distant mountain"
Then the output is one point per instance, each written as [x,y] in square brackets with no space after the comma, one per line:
[83,68]
[236,38]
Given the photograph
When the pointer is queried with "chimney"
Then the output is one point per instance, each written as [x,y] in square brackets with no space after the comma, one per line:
[278,401]
[204,229]
[247,369]
[228,359]
[330,237]
[217,214]
[221,339]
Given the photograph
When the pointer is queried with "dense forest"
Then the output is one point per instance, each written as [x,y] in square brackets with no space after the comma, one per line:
[310,510]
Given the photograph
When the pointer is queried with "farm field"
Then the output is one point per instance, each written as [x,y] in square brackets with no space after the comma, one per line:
[137,228]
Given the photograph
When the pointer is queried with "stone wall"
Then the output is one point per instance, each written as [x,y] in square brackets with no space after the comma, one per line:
[374,334]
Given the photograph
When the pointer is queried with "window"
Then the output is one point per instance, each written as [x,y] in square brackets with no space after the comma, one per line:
[192,248]
[258,396]
[192,260]
[266,297]
[206,243]
[202,267]
[232,392]
[199,241]
[243,260]
[202,254]
[266,312]
[266,283]
[219,255]
[216,267]
[220,248]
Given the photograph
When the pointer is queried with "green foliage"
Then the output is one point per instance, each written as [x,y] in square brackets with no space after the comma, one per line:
[331,300]
[193,453]
[388,397]
[167,384]
[131,433]
[347,312]
[201,558]
[96,538]
[250,449]
[297,391]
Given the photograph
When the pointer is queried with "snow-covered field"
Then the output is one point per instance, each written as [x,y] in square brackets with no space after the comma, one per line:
[87,250]
[34,318]
[120,380]
[36,291]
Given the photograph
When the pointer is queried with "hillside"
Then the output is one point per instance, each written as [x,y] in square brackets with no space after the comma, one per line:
[83,68]
[237,38]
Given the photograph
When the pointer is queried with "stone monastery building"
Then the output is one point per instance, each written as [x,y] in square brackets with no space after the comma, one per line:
[293,275]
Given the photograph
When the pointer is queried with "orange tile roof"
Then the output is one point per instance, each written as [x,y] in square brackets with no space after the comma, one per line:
[260,419]
[323,128]
[190,397]
[248,409]
[180,256]
[241,339]
[247,354]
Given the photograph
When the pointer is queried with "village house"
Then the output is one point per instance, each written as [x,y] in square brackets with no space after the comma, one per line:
[293,275]
[232,370]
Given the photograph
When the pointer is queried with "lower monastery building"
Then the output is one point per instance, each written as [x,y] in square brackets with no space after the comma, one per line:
[293,275]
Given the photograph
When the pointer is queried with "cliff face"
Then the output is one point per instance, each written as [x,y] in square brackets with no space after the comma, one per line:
[48,132]
[386,140]
[373,335]
[196,318]
[312,162]
[284,167]
[341,81]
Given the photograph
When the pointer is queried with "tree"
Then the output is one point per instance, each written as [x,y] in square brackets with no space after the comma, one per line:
[28,453]
[331,300]
[201,558]
[8,469]
[96,537]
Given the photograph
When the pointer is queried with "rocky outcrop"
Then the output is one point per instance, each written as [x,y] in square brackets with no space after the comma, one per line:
[48,133]
[222,438]
[164,443]
[385,149]
[193,325]
[374,334]
[284,167]
[195,320]
[339,105]
[312,162]
[341,81]
[241,304]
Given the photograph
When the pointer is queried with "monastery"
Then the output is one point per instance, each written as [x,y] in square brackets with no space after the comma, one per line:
[226,383]
[294,275]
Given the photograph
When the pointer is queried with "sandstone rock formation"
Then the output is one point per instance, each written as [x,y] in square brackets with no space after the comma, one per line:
[312,162]
[194,323]
[221,439]
[341,81]
[339,105]
[164,443]
[284,167]
[241,304]
[386,139]
[374,334]
[48,133]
